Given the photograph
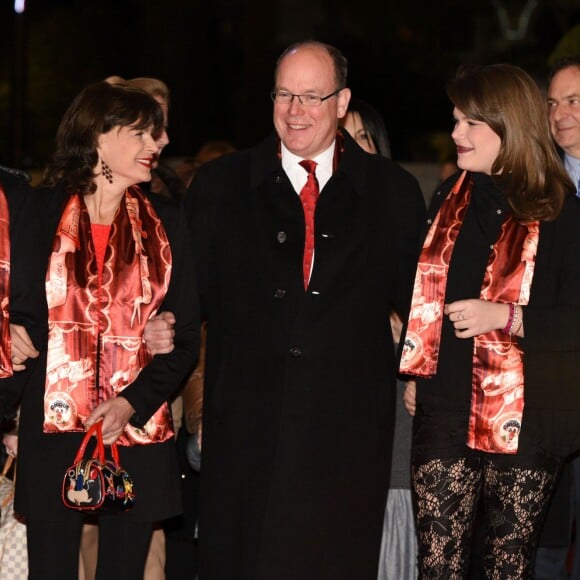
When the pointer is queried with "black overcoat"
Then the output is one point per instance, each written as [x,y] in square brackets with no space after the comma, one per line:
[299,396]
[43,458]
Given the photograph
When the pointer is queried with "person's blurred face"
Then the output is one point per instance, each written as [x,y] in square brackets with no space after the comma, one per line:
[564,109]
[129,152]
[477,144]
[354,125]
[447,169]
[163,138]
[308,131]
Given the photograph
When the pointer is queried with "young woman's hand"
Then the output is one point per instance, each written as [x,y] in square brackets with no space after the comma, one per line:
[474,317]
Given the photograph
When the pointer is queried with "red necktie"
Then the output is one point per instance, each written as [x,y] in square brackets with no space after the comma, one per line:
[309,196]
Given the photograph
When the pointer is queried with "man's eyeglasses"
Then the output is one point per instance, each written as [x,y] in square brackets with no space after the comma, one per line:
[285,98]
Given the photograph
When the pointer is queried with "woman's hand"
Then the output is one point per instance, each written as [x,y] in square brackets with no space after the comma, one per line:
[22,347]
[199,434]
[396,326]
[10,441]
[159,333]
[115,414]
[474,317]
[410,397]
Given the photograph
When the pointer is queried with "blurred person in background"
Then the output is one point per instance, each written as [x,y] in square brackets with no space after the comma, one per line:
[563,98]
[398,558]
[367,127]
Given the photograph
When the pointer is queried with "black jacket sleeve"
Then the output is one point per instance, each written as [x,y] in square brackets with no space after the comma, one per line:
[159,380]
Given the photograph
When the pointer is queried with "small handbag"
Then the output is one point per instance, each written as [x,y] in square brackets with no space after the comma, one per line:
[97,484]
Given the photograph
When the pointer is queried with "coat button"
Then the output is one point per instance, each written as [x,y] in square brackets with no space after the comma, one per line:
[295,351]
[278,179]
[281,237]
[280,293]
[429,221]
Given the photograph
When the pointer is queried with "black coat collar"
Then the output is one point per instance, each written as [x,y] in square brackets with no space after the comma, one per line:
[265,162]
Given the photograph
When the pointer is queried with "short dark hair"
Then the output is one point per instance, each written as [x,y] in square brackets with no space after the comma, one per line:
[338,59]
[96,110]
[563,63]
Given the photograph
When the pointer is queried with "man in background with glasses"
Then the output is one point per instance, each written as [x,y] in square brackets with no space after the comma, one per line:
[552,559]
[304,245]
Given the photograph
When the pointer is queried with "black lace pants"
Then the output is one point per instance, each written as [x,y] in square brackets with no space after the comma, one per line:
[515,491]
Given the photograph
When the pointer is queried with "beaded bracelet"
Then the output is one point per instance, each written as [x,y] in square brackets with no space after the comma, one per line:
[514,325]
[510,320]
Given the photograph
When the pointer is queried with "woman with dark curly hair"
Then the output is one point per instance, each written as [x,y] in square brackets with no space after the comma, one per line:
[97,260]
[492,338]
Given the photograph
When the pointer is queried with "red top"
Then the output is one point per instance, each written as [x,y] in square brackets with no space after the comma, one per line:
[100,234]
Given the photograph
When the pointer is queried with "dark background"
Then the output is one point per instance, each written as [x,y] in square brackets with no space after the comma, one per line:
[217,57]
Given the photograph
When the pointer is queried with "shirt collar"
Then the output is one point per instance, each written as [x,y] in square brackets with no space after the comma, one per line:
[572,165]
[296,173]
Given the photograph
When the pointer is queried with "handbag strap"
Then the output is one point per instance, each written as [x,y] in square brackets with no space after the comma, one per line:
[99,452]
[115,453]
[7,465]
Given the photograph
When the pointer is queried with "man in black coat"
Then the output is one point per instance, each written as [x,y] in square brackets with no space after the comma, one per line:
[300,377]
[564,117]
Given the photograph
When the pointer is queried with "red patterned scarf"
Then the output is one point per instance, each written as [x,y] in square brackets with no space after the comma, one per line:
[95,346]
[5,344]
[497,399]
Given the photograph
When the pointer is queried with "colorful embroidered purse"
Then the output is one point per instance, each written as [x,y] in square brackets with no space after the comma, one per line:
[97,483]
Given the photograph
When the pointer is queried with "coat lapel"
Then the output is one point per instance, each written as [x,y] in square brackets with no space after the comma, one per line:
[277,223]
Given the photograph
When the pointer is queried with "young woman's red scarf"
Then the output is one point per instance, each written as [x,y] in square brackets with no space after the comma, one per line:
[497,390]
[5,344]
[95,346]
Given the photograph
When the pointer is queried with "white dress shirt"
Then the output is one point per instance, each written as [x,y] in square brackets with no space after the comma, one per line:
[298,175]
[572,165]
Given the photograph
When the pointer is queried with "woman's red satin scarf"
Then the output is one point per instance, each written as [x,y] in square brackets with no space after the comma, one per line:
[5,344]
[95,345]
[497,390]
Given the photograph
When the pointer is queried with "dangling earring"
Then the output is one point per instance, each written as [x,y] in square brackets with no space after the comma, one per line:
[107,172]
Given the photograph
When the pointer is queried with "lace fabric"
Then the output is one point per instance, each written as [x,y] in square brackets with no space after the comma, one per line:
[515,496]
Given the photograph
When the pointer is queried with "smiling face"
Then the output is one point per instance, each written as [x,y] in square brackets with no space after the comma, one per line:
[564,109]
[354,125]
[477,145]
[129,152]
[308,131]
